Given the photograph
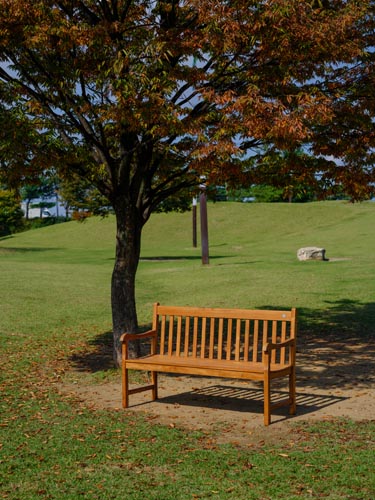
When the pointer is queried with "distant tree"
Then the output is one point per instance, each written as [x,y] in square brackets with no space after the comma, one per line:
[28,193]
[42,190]
[141,98]
[11,215]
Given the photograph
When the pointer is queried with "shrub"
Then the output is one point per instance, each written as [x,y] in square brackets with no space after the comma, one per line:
[267,194]
[11,215]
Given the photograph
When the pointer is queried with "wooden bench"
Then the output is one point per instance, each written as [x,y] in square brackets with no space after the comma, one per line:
[229,343]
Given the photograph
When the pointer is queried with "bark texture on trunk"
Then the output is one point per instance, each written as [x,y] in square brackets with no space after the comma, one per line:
[128,245]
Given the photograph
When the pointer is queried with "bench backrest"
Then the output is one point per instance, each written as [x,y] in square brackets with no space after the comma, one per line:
[222,334]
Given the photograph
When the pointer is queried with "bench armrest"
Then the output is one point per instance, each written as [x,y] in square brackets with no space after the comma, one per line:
[270,355]
[127,337]
[267,348]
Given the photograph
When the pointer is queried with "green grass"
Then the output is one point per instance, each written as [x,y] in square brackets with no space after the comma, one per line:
[55,311]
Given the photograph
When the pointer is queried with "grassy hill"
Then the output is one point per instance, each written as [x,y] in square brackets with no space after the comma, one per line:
[252,264]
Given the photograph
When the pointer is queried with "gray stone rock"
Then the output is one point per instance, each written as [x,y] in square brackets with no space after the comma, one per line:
[311,253]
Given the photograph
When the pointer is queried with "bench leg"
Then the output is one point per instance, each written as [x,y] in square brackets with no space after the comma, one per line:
[154,382]
[125,387]
[292,392]
[267,400]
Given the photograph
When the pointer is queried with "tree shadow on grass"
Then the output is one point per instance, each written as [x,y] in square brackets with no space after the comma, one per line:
[98,356]
[27,249]
[335,347]
[167,258]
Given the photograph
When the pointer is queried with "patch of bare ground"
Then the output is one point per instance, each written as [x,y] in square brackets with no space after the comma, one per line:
[334,380]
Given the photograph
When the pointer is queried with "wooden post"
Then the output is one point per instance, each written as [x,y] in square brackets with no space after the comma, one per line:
[194,222]
[204,226]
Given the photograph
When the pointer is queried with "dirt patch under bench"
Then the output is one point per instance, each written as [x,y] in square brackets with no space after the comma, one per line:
[334,379]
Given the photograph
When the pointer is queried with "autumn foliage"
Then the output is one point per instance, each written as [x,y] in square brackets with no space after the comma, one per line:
[142,98]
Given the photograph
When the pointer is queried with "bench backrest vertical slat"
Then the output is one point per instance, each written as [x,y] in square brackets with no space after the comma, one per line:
[274,339]
[292,334]
[220,339]
[283,339]
[162,333]
[246,341]
[265,335]
[203,338]
[178,338]
[170,335]
[187,336]
[195,337]
[238,341]
[211,351]
[229,338]
[255,340]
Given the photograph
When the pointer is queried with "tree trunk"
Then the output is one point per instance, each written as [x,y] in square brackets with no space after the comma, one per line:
[128,245]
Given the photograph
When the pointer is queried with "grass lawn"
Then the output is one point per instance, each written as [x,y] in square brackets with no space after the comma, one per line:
[55,306]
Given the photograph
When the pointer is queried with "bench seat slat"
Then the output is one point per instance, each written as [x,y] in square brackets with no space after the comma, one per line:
[204,371]
[222,364]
